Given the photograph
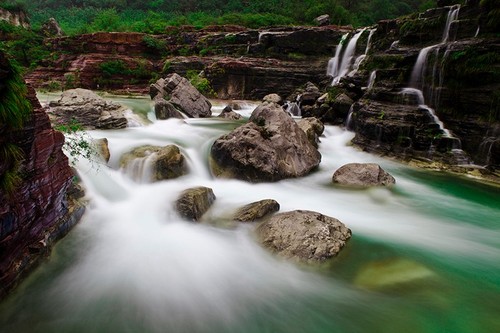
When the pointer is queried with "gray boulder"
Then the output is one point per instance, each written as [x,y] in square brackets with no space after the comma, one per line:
[313,128]
[194,202]
[303,235]
[256,210]
[362,175]
[322,20]
[228,113]
[103,149]
[51,28]
[88,110]
[273,98]
[270,147]
[167,162]
[181,93]
[166,110]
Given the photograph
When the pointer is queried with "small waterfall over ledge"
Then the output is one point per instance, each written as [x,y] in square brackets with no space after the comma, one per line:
[342,63]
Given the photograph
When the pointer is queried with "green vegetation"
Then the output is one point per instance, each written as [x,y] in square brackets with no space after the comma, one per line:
[201,83]
[80,16]
[78,143]
[15,109]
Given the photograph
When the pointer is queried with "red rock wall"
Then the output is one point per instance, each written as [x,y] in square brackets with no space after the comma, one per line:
[31,217]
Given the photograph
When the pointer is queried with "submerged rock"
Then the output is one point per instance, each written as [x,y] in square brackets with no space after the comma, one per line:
[181,93]
[228,113]
[166,162]
[270,147]
[194,202]
[362,175]
[256,210]
[303,235]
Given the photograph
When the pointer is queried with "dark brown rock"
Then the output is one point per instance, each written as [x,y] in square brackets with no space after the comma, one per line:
[303,235]
[228,113]
[194,202]
[256,210]
[166,110]
[313,128]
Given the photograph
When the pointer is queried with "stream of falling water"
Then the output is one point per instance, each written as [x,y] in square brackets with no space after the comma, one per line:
[424,257]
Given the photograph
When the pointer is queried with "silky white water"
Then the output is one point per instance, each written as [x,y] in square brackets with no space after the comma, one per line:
[421,252]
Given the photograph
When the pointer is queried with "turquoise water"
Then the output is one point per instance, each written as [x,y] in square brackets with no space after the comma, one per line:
[424,256]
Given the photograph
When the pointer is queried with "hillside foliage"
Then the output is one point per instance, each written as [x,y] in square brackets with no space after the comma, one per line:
[81,16]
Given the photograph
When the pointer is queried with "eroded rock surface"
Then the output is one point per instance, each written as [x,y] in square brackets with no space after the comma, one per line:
[256,210]
[362,175]
[194,202]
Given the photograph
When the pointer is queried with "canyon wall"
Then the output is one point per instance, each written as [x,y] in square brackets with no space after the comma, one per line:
[36,202]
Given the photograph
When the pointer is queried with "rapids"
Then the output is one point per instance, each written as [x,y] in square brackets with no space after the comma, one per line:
[424,257]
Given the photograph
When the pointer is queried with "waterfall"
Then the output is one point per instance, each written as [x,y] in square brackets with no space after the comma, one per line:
[452,16]
[417,78]
[421,104]
[362,57]
[141,169]
[371,80]
[477,31]
[333,63]
[293,108]
[341,64]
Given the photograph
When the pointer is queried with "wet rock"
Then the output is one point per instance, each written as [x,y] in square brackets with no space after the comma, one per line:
[167,162]
[166,110]
[270,147]
[228,113]
[256,210]
[103,149]
[194,202]
[362,175]
[303,235]
[87,109]
[313,128]
[181,93]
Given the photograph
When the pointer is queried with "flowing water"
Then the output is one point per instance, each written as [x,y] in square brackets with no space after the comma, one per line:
[424,256]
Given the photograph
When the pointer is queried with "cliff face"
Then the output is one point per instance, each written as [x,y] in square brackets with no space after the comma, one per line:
[17,18]
[240,63]
[37,210]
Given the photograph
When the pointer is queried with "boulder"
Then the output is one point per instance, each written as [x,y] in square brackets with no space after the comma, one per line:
[309,95]
[87,109]
[362,175]
[313,128]
[103,149]
[51,28]
[273,98]
[166,110]
[181,93]
[167,162]
[303,235]
[194,202]
[256,210]
[322,20]
[270,147]
[228,113]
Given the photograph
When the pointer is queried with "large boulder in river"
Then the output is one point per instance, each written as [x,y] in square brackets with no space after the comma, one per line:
[166,163]
[313,128]
[303,235]
[166,110]
[194,202]
[270,147]
[90,111]
[181,93]
[256,210]
[362,175]
[228,113]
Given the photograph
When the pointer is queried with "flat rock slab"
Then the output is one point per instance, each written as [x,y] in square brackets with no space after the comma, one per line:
[256,210]
[304,236]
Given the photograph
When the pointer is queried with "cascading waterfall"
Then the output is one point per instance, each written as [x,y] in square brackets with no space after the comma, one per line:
[359,60]
[417,79]
[371,80]
[342,63]
[140,169]
[333,63]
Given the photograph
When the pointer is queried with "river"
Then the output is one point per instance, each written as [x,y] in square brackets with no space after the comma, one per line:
[424,255]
